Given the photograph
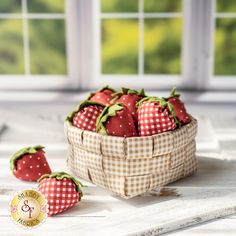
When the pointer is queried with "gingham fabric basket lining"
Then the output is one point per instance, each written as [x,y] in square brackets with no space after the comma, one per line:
[131,166]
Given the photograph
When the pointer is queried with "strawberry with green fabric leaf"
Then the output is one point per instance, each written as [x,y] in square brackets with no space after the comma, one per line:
[129,98]
[155,116]
[61,190]
[180,110]
[116,120]
[85,115]
[30,163]
[103,95]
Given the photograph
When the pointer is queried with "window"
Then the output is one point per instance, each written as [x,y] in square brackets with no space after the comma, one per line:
[84,44]
[138,40]
[33,44]
[158,43]
[223,53]
[225,38]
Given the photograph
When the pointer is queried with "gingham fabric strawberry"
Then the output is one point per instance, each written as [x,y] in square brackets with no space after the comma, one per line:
[180,110]
[29,163]
[103,95]
[61,190]
[155,116]
[129,98]
[116,120]
[85,115]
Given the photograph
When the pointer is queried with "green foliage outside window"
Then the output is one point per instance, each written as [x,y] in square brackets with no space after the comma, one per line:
[46,39]
[120,39]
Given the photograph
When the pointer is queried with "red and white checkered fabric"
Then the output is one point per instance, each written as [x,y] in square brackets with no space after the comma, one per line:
[86,118]
[153,119]
[60,194]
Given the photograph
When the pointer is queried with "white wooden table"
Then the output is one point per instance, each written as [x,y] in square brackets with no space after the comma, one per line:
[186,207]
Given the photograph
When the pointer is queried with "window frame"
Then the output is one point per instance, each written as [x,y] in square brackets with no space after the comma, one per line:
[197,54]
[47,82]
[141,80]
[82,29]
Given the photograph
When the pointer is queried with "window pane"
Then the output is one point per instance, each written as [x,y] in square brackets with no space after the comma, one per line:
[10,6]
[119,5]
[47,47]
[46,6]
[119,46]
[11,47]
[226,6]
[225,47]
[162,46]
[162,5]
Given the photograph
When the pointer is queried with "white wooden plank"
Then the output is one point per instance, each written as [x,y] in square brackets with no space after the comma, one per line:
[220,227]
[175,206]
[32,122]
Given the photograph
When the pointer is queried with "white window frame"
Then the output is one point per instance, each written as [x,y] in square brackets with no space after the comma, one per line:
[82,23]
[47,82]
[140,80]
[197,52]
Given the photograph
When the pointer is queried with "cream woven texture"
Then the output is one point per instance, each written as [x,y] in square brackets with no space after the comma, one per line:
[131,166]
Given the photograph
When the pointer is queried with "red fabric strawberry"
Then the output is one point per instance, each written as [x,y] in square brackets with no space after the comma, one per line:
[85,116]
[103,95]
[180,110]
[155,116]
[61,190]
[116,120]
[29,163]
[130,98]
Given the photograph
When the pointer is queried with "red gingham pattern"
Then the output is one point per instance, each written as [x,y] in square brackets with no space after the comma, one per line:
[153,119]
[86,118]
[60,194]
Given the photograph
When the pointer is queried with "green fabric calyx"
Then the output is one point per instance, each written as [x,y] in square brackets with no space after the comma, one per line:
[140,93]
[106,113]
[62,175]
[101,90]
[20,153]
[163,103]
[173,94]
[83,104]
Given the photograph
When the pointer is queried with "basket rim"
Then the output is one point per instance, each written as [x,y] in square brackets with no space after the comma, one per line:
[68,125]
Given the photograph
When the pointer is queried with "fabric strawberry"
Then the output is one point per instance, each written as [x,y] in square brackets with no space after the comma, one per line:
[29,163]
[155,116]
[85,116]
[116,120]
[61,190]
[129,98]
[180,110]
[103,95]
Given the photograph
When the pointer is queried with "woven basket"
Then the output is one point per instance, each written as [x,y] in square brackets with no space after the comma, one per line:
[135,165]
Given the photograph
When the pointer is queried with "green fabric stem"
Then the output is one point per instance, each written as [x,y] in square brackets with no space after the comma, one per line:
[130,91]
[107,112]
[173,94]
[62,175]
[23,151]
